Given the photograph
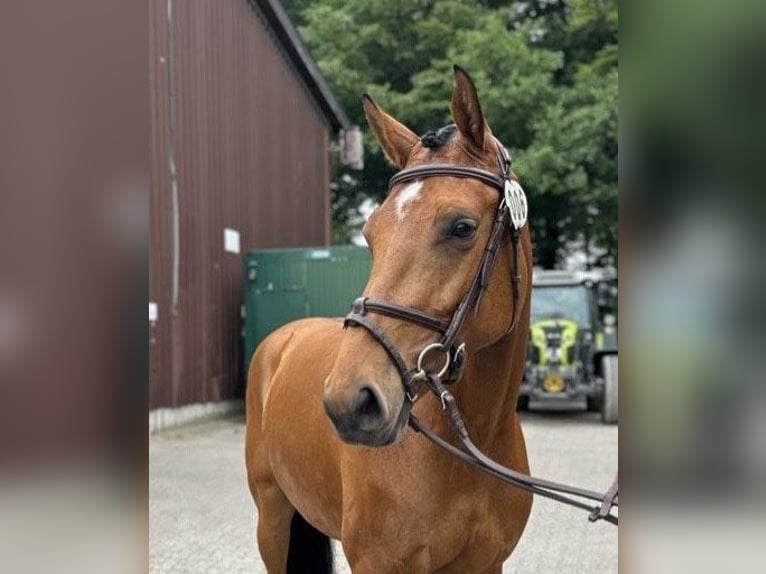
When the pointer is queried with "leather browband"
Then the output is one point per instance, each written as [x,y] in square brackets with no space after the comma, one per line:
[448,170]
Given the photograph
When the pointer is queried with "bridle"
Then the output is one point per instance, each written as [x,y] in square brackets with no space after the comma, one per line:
[511,206]
[511,213]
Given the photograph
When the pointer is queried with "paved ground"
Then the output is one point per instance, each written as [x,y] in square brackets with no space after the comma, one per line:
[201,515]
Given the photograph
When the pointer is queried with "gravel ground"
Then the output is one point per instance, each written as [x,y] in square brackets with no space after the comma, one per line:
[201,515]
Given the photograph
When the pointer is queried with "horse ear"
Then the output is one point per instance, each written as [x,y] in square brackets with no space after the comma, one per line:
[466,110]
[395,138]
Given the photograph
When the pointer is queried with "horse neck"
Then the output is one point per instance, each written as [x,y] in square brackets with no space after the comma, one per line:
[488,391]
[487,394]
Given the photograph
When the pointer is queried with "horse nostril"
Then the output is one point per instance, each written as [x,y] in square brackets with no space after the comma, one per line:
[367,409]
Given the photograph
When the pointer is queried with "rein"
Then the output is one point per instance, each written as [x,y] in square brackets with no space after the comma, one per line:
[473,456]
[513,207]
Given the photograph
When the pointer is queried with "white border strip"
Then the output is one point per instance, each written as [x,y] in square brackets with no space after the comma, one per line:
[160,419]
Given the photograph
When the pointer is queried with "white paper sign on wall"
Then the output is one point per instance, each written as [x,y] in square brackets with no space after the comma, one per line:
[231,240]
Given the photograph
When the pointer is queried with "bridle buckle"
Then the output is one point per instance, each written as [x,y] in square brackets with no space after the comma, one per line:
[457,365]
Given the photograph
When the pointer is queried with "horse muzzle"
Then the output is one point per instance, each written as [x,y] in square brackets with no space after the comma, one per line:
[363,417]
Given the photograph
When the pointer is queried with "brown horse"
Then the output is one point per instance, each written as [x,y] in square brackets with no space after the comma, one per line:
[361,475]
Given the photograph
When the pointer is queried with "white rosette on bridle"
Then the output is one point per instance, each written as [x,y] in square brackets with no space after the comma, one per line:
[516,201]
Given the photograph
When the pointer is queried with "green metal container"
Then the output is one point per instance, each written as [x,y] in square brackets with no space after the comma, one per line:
[282,285]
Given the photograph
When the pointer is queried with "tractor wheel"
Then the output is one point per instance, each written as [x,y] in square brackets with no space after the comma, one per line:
[609,402]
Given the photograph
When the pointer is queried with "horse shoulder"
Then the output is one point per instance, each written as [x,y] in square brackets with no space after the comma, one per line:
[276,346]
[274,360]
[294,446]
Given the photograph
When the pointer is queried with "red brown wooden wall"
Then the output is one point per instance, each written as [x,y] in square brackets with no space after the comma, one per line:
[252,154]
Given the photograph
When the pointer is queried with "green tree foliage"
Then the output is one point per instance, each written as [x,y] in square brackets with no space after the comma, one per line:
[546,71]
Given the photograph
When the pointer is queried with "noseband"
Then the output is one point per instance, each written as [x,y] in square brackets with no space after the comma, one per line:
[512,206]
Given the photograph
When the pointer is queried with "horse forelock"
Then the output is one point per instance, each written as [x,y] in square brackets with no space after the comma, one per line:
[436,139]
[448,145]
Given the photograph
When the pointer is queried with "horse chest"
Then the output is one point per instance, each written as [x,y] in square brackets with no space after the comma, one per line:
[458,539]
[479,532]
[481,518]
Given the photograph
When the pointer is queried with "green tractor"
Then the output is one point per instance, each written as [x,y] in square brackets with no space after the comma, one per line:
[572,354]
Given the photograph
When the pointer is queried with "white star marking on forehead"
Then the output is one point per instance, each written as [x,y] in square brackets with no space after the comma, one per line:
[407,196]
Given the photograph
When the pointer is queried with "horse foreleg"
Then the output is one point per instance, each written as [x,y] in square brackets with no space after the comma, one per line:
[274,516]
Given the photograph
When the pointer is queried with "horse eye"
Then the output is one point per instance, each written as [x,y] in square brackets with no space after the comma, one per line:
[463,229]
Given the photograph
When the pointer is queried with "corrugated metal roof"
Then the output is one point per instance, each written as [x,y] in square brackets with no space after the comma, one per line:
[291,43]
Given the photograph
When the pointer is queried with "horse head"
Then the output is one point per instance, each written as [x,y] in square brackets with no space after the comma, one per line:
[427,241]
